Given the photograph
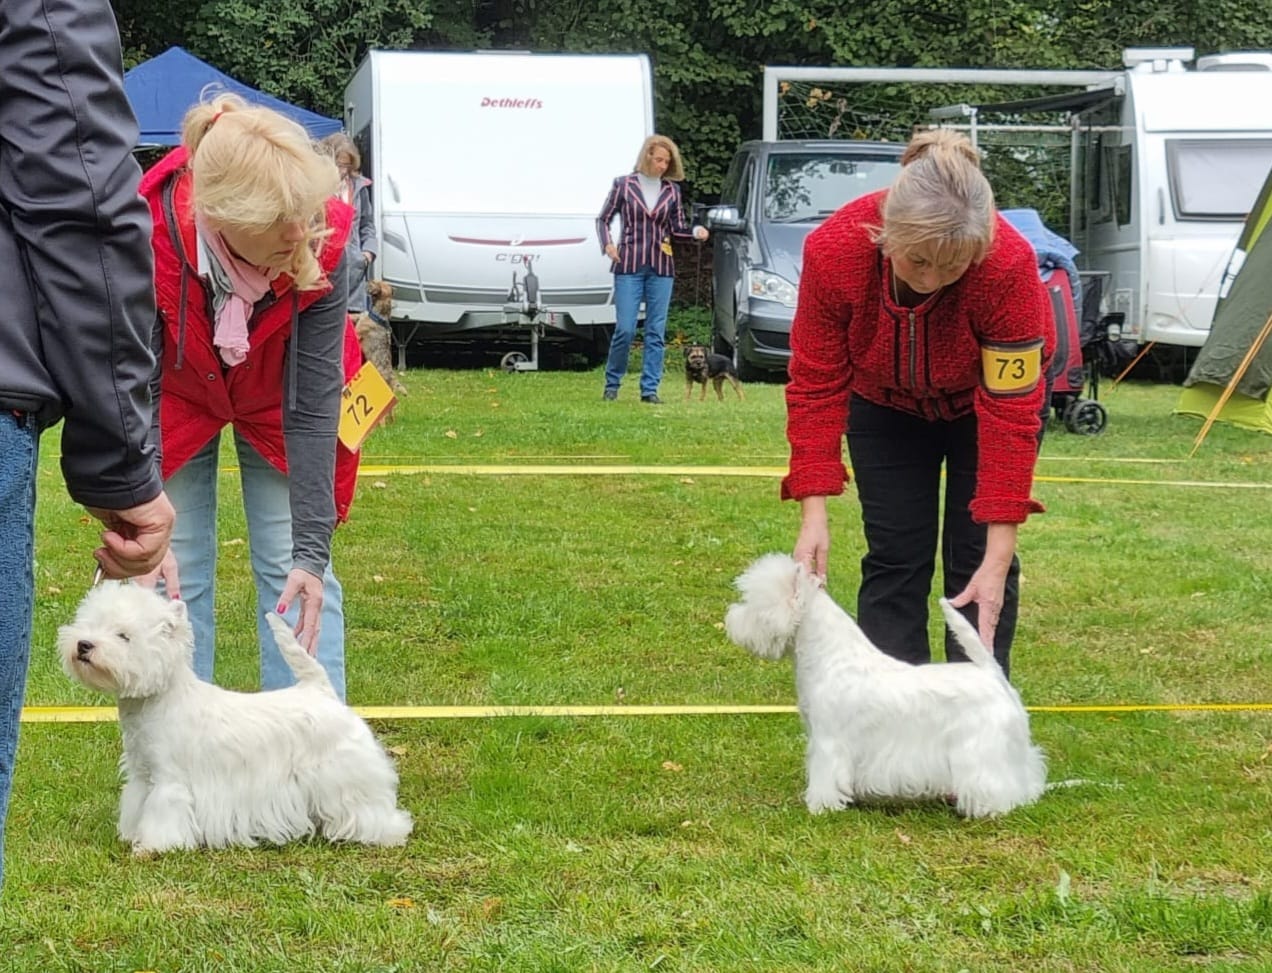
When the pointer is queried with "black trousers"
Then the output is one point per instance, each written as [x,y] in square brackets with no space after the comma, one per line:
[896,464]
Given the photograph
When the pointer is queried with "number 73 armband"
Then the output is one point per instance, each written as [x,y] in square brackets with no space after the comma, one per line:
[1011,369]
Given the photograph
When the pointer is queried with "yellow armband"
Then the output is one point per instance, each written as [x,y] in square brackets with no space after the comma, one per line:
[1011,369]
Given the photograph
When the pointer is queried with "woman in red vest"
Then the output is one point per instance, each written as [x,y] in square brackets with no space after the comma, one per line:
[923,333]
[250,284]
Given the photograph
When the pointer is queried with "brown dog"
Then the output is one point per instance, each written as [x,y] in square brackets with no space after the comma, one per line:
[703,365]
[374,335]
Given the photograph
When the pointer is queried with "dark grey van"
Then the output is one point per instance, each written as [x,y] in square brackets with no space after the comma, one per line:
[774,195]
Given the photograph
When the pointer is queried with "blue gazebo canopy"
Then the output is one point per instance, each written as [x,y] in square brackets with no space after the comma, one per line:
[164,88]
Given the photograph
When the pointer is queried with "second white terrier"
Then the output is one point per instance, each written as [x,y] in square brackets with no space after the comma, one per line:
[879,728]
[207,767]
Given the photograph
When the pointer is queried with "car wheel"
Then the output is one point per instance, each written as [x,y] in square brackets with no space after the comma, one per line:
[746,371]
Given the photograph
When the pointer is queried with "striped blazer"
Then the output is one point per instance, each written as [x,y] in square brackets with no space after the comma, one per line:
[647,234]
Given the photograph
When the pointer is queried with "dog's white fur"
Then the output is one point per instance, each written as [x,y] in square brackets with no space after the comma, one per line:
[880,728]
[204,766]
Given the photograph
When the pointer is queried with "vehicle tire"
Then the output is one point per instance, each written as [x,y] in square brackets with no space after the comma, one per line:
[510,361]
[746,371]
[1086,417]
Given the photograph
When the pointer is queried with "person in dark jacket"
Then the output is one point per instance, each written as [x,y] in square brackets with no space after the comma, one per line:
[250,278]
[75,283]
[923,331]
[647,203]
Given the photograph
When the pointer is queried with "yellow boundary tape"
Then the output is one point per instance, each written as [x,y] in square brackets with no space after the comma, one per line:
[769,472]
[108,714]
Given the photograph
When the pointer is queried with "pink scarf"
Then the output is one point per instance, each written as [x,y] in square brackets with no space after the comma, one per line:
[237,286]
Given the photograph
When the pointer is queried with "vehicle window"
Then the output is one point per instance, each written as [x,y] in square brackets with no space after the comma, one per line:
[744,185]
[1216,179]
[733,180]
[808,187]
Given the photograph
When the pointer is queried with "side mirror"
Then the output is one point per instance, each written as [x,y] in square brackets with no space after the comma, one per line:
[725,219]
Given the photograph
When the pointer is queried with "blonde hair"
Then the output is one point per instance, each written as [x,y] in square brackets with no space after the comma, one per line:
[338,144]
[675,169]
[941,199]
[253,168]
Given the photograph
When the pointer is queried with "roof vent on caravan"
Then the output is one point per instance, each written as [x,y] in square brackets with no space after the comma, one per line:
[1236,61]
[1156,59]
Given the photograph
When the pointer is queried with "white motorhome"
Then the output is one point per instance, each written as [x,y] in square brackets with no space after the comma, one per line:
[486,165]
[1168,170]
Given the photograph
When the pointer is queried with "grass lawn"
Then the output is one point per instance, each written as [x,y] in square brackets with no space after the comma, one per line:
[626,842]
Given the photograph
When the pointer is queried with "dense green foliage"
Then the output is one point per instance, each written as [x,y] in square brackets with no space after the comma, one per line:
[708,55]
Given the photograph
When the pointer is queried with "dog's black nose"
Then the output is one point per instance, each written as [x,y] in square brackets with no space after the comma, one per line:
[83,648]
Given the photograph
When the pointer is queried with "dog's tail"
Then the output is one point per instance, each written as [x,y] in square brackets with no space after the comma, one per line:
[307,670]
[968,638]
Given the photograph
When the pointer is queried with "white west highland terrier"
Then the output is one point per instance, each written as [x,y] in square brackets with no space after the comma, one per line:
[203,766]
[880,728]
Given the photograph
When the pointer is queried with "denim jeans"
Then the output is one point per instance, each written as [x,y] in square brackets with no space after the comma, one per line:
[896,463]
[629,291]
[266,504]
[19,451]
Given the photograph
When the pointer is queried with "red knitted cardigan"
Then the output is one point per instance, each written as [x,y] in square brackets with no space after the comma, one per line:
[850,337]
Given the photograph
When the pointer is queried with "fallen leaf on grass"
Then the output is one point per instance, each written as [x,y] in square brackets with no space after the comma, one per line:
[902,837]
[672,765]
[401,902]
[451,434]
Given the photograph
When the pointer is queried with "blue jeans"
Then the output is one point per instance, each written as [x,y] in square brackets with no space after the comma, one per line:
[266,504]
[629,291]
[19,453]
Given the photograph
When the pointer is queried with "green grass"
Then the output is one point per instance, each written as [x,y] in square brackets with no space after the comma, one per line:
[681,843]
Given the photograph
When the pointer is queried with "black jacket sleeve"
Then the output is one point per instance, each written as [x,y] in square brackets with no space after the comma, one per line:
[68,184]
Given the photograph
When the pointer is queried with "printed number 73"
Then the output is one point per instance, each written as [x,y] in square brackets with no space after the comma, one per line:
[1011,368]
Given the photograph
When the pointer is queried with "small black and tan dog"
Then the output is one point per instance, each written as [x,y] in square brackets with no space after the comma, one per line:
[702,365]
[374,335]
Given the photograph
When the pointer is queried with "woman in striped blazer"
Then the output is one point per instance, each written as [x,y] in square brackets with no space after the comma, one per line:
[647,201]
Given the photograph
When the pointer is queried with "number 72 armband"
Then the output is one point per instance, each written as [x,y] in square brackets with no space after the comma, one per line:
[1011,368]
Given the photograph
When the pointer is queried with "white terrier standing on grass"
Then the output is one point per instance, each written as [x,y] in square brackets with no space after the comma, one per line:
[879,728]
[204,766]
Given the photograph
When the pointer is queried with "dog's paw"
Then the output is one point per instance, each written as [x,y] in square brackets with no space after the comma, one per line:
[143,854]
[820,802]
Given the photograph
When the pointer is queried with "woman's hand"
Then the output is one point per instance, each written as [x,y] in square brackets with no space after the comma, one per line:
[611,251]
[309,589]
[700,233]
[167,573]
[812,547]
[988,584]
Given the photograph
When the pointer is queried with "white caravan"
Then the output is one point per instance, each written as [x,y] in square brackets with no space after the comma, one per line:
[1164,188]
[486,165]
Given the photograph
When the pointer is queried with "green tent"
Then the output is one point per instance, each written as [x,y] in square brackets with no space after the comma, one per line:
[1232,376]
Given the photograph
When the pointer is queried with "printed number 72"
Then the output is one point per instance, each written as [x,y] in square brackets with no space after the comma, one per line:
[359,408]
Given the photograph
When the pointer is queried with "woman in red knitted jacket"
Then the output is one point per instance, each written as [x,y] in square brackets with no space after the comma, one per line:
[923,331]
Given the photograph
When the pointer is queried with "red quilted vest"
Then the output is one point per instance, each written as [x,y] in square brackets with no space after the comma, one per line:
[199,396]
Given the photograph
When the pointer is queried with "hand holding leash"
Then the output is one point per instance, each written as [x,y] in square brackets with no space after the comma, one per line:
[135,539]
